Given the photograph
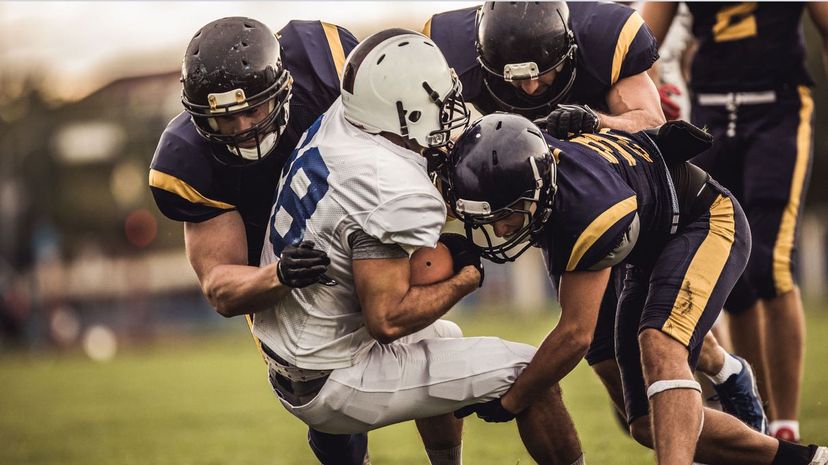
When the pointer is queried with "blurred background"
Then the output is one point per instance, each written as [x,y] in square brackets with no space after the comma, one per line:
[90,269]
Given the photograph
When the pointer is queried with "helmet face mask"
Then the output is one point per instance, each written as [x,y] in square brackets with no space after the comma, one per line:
[454,114]
[276,97]
[233,68]
[485,165]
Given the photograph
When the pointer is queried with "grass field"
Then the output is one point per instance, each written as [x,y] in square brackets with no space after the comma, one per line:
[205,400]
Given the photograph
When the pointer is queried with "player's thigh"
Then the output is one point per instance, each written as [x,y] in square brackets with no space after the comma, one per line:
[405,381]
[695,273]
[777,169]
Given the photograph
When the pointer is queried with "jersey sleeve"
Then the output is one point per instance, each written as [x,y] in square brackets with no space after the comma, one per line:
[613,41]
[314,52]
[411,221]
[181,182]
[455,33]
[602,237]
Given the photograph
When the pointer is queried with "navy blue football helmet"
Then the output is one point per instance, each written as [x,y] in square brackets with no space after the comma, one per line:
[233,66]
[501,166]
[523,40]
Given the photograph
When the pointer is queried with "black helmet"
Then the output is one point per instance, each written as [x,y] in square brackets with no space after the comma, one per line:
[499,166]
[523,40]
[232,66]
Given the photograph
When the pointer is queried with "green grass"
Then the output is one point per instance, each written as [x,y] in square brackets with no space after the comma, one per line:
[205,400]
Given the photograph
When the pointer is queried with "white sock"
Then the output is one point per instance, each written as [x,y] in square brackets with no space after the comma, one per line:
[792,425]
[731,366]
[453,456]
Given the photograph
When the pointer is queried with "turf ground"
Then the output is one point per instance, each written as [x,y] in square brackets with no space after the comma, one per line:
[205,400]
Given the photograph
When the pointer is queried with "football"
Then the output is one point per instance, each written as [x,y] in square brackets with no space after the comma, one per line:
[429,266]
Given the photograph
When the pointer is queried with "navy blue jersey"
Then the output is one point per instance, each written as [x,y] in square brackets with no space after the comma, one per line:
[603,180]
[764,40]
[190,185]
[613,43]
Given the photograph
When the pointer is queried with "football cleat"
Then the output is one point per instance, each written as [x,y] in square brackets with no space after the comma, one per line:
[740,397]
[820,457]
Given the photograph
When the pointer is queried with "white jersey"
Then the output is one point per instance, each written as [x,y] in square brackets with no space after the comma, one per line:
[339,180]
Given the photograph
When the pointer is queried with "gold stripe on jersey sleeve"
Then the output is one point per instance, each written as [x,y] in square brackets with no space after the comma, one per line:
[427,27]
[622,46]
[703,273]
[598,227]
[180,188]
[335,45]
[783,248]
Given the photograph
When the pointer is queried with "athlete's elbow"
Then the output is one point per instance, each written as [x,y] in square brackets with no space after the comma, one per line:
[654,118]
[219,301]
[384,332]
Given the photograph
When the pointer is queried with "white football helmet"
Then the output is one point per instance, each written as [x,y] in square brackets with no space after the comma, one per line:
[398,81]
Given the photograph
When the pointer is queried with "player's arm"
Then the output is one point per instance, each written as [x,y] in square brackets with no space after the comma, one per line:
[580,297]
[606,242]
[217,250]
[819,15]
[634,105]
[392,308]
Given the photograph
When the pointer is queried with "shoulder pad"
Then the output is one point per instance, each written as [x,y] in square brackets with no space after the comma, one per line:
[314,52]
[613,41]
[181,175]
[455,33]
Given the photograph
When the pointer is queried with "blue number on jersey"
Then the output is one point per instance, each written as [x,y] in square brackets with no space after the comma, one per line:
[302,189]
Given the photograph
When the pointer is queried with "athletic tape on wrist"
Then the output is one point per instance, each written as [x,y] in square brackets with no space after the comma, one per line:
[668,384]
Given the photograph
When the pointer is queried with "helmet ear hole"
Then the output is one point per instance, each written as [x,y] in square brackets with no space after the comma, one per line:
[414,116]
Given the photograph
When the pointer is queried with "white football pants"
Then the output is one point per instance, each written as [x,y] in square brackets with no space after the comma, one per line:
[431,372]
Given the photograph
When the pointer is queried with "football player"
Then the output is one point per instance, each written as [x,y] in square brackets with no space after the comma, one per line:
[248,95]
[577,67]
[760,112]
[371,350]
[600,200]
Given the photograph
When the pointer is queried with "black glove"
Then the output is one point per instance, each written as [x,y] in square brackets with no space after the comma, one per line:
[569,120]
[301,265]
[491,411]
[463,253]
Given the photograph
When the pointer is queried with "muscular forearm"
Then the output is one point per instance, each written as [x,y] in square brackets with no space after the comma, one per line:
[558,355]
[423,305]
[238,290]
[633,120]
